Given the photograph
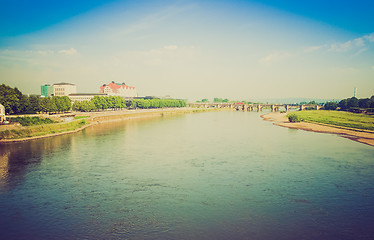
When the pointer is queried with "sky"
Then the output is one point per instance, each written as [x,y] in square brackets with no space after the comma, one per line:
[240,50]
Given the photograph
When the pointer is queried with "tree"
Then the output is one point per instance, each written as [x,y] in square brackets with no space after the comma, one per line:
[34,104]
[352,102]
[343,104]
[331,106]
[9,99]
[364,103]
[47,105]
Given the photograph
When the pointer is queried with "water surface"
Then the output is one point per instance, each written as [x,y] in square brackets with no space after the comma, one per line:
[222,175]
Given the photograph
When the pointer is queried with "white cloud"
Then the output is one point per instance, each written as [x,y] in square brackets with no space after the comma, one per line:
[171,47]
[69,52]
[45,53]
[275,57]
[165,55]
[369,37]
[312,48]
[352,44]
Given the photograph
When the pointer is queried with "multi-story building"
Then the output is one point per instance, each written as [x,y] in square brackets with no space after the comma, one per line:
[85,96]
[118,89]
[46,90]
[64,89]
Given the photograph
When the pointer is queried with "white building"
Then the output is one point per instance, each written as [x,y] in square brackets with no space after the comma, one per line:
[64,89]
[118,89]
[85,96]
[2,113]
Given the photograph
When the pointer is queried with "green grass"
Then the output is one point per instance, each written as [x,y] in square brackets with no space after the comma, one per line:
[31,121]
[40,130]
[80,117]
[337,118]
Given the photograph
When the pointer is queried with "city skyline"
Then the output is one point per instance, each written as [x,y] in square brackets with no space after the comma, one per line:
[191,49]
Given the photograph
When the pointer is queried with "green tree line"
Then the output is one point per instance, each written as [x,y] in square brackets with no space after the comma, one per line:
[351,103]
[116,102]
[17,103]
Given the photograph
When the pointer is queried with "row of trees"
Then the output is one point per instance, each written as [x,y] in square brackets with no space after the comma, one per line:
[115,102]
[351,103]
[17,103]
[101,103]
[157,103]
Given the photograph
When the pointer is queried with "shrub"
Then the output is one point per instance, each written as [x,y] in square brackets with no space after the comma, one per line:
[293,118]
[30,121]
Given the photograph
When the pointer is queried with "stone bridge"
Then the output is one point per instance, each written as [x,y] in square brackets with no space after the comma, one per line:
[252,107]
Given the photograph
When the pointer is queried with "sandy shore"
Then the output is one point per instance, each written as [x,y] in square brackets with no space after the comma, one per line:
[280,119]
[112,116]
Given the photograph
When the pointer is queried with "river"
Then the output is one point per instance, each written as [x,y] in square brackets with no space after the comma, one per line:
[214,175]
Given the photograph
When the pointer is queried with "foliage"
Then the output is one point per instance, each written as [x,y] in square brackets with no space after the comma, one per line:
[84,106]
[220,100]
[350,103]
[330,106]
[17,103]
[111,102]
[292,117]
[10,99]
[338,118]
[30,121]
[157,103]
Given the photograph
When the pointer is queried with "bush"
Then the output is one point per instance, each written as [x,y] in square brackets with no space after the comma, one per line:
[293,118]
[30,121]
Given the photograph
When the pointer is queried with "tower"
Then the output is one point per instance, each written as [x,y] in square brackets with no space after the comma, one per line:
[355,93]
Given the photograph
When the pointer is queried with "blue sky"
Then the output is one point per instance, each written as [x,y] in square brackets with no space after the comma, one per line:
[192,49]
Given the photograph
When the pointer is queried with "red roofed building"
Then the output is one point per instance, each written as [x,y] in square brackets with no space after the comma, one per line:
[118,89]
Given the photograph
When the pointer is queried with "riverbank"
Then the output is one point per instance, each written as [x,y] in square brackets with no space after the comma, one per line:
[280,119]
[20,133]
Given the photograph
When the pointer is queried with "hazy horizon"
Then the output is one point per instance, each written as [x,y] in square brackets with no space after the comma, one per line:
[260,49]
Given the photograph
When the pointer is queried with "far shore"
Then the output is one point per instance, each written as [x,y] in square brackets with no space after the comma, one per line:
[95,118]
[280,119]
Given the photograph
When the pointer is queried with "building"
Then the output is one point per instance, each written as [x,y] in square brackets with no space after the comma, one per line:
[118,89]
[85,96]
[2,113]
[64,89]
[46,90]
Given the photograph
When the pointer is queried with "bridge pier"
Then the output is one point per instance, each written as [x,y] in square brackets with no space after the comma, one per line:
[259,108]
[274,108]
[288,107]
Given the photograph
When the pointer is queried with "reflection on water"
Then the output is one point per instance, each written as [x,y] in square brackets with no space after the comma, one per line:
[225,175]
[16,157]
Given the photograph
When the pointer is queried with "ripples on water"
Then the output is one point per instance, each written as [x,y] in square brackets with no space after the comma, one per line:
[225,175]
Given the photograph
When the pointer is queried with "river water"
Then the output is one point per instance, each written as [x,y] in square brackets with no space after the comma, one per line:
[217,175]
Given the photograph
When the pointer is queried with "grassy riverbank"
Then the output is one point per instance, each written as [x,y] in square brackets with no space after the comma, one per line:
[22,133]
[41,130]
[337,119]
